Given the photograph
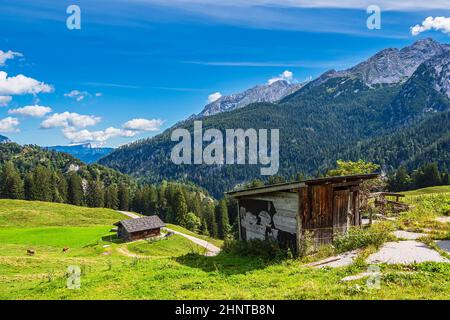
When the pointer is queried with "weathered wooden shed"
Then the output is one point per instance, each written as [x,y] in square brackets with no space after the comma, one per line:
[323,207]
[141,228]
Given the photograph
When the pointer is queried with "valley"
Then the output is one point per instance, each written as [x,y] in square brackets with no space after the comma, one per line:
[177,269]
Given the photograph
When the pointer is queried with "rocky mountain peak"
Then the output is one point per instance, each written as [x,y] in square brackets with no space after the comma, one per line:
[392,65]
[270,92]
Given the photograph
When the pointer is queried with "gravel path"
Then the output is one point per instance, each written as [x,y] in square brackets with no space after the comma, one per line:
[130,214]
[405,252]
[408,235]
[444,245]
[443,219]
[212,249]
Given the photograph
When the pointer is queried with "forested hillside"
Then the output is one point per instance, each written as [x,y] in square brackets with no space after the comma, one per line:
[33,173]
[340,115]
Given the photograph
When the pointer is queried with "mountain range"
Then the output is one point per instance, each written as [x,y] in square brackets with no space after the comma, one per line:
[85,152]
[271,92]
[393,109]
[4,139]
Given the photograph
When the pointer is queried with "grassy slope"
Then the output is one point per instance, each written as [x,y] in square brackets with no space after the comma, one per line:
[182,274]
[18,213]
[53,236]
[439,189]
[216,242]
[172,246]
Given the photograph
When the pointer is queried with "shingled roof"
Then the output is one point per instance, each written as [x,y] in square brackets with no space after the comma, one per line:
[140,224]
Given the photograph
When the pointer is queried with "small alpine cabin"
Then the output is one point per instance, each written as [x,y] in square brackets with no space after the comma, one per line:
[323,207]
[141,228]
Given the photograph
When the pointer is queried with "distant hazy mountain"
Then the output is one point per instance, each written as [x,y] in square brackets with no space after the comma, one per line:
[4,139]
[393,109]
[85,152]
[272,92]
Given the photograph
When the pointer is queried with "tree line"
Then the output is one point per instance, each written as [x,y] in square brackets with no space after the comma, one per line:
[181,204]
[428,175]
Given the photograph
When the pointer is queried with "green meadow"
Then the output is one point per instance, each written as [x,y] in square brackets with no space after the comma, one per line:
[175,268]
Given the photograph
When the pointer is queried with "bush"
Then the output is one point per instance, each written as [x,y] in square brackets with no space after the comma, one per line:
[264,249]
[358,237]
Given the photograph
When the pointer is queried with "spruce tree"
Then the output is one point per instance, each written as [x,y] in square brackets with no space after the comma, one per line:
[124,197]
[75,190]
[94,193]
[28,186]
[42,187]
[210,216]
[180,208]
[401,180]
[61,187]
[11,183]
[223,223]
[204,229]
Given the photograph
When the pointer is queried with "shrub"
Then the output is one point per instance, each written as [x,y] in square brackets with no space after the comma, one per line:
[358,237]
[264,249]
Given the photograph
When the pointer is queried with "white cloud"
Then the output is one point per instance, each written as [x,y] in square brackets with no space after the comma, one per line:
[286,76]
[9,124]
[8,55]
[21,84]
[77,95]
[96,136]
[214,97]
[431,23]
[99,94]
[4,100]
[143,124]
[31,111]
[68,119]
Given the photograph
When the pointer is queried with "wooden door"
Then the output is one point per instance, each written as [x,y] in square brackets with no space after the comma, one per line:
[341,202]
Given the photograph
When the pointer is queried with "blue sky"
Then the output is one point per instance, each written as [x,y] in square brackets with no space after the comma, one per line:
[159,60]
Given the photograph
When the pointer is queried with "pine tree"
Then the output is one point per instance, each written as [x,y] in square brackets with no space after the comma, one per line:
[60,184]
[180,208]
[42,189]
[111,197]
[153,200]
[124,197]
[138,201]
[94,193]
[445,178]
[75,190]
[210,216]
[204,229]
[401,181]
[28,186]
[197,204]
[11,183]
[223,223]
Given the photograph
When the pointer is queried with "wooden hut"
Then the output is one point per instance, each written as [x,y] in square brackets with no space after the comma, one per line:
[285,212]
[141,228]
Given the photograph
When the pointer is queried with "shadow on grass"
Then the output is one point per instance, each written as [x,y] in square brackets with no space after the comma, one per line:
[225,263]
[112,238]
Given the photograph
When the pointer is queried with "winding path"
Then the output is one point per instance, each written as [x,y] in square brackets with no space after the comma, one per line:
[212,249]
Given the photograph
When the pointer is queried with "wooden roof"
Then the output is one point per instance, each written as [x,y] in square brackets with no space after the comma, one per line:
[141,224]
[293,186]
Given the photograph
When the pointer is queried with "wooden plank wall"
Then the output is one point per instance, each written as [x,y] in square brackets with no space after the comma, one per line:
[270,216]
[316,205]
[326,210]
